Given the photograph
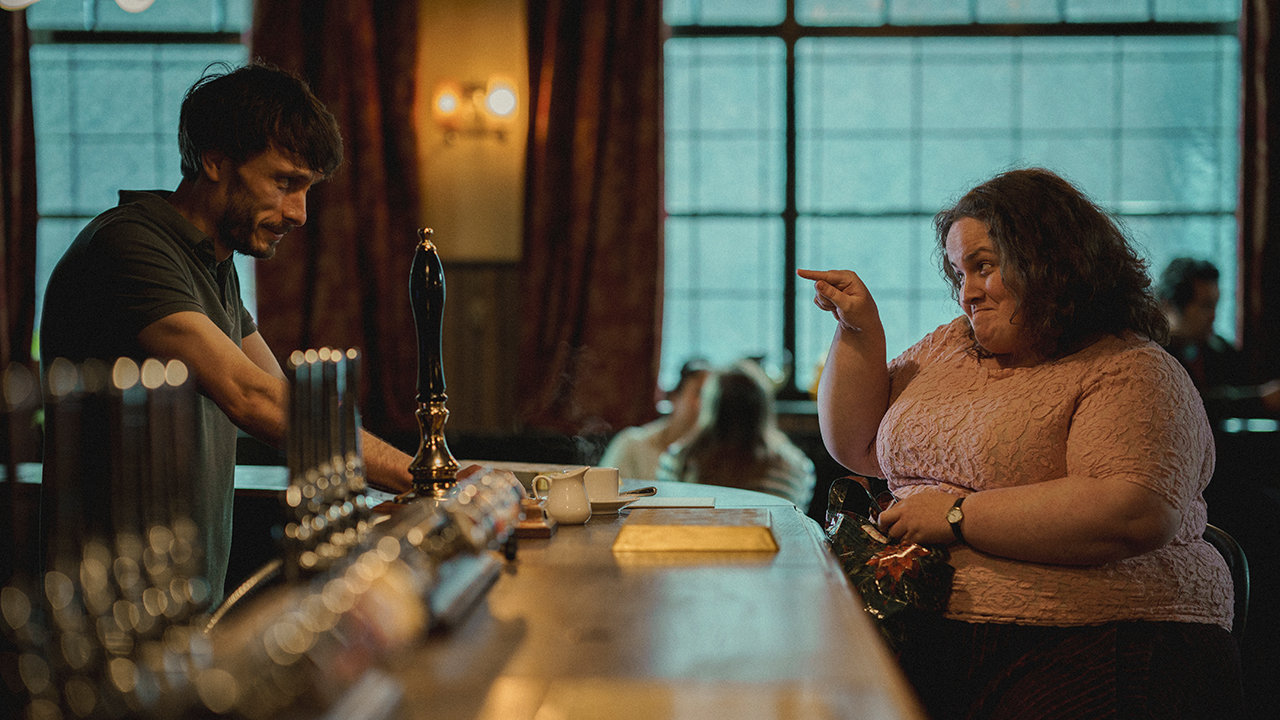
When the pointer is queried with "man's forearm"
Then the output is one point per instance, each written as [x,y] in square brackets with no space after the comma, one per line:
[386,467]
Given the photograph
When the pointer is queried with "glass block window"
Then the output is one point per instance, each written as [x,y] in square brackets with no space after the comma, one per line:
[726,177]
[844,128]
[106,103]
[724,12]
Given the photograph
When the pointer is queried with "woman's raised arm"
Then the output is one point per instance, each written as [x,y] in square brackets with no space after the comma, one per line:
[853,392]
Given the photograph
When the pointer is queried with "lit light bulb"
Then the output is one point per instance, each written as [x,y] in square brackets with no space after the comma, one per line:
[501,100]
[447,102]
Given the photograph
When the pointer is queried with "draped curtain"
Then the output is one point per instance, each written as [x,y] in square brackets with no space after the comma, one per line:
[341,280]
[18,191]
[592,268]
[1259,209]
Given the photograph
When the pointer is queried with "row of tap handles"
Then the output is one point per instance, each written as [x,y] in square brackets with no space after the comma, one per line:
[117,623]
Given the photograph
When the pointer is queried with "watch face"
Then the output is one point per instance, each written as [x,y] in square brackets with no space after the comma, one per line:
[955,515]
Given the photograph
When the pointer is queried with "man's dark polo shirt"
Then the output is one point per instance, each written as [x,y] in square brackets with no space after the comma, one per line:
[131,266]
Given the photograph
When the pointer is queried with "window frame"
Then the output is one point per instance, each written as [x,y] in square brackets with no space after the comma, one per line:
[791,32]
[94,34]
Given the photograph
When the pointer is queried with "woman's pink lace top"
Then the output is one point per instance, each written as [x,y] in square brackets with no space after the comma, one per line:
[1121,409]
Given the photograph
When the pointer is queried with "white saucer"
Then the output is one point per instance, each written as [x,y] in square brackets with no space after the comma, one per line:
[601,507]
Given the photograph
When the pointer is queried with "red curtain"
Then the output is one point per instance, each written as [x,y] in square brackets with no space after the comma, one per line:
[592,270]
[18,191]
[1259,210]
[342,279]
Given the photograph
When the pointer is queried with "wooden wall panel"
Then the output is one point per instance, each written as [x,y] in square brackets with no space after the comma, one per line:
[481,335]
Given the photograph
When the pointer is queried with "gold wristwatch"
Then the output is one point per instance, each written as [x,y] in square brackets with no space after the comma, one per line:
[955,516]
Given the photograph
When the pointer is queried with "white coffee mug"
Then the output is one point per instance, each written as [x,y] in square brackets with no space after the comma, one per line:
[566,496]
[603,484]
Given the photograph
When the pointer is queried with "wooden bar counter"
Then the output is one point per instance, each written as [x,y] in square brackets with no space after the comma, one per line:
[572,630]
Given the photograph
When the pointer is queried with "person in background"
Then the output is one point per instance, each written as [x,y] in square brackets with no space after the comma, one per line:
[1189,294]
[1061,453]
[737,442]
[154,277]
[635,450]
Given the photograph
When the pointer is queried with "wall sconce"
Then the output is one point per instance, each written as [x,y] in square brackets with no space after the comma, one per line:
[474,109]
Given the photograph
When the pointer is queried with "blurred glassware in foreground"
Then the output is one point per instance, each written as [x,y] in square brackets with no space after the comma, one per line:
[118,623]
[111,627]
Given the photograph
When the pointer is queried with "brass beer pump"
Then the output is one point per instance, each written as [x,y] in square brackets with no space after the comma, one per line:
[434,469]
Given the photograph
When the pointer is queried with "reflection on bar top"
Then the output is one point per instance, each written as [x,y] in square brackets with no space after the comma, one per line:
[260,480]
[248,477]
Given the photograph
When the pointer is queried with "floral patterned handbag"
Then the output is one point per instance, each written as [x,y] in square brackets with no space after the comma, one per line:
[895,579]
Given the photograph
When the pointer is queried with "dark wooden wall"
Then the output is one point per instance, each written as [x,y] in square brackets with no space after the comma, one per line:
[481,338]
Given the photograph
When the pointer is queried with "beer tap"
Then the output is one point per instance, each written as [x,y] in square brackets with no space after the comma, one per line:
[434,469]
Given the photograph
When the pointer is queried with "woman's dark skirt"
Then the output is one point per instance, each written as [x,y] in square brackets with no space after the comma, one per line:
[1159,670]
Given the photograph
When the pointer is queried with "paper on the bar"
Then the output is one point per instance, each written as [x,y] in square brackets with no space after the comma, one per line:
[672,502]
[698,529]
[524,471]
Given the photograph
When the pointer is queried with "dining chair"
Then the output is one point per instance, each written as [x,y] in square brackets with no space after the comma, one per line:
[1238,564]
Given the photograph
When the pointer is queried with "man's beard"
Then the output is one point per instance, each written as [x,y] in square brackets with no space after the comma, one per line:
[237,228]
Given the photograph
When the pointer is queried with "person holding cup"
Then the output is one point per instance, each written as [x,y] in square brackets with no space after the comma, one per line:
[737,443]
[635,450]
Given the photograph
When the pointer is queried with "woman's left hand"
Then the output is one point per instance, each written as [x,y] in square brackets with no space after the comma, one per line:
[920,518]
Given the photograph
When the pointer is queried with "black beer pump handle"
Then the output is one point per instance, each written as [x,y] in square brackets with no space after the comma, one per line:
[426,293]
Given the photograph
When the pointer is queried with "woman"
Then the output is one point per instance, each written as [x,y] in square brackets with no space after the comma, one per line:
[737,443]
[1049,438]
[635,450]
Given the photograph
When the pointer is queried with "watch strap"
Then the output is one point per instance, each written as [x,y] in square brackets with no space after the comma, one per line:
[955,524]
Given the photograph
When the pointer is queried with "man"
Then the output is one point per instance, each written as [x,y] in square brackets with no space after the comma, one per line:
[153,277]
[1189,292]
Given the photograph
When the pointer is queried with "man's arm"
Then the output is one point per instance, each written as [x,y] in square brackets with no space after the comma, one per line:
[248,385]
[386,467]
[255,347]
[252,397]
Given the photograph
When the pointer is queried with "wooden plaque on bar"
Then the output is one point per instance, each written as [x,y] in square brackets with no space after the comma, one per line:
[696,529]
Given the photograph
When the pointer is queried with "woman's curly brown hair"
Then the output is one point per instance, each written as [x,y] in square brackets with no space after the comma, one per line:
[1069,265]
